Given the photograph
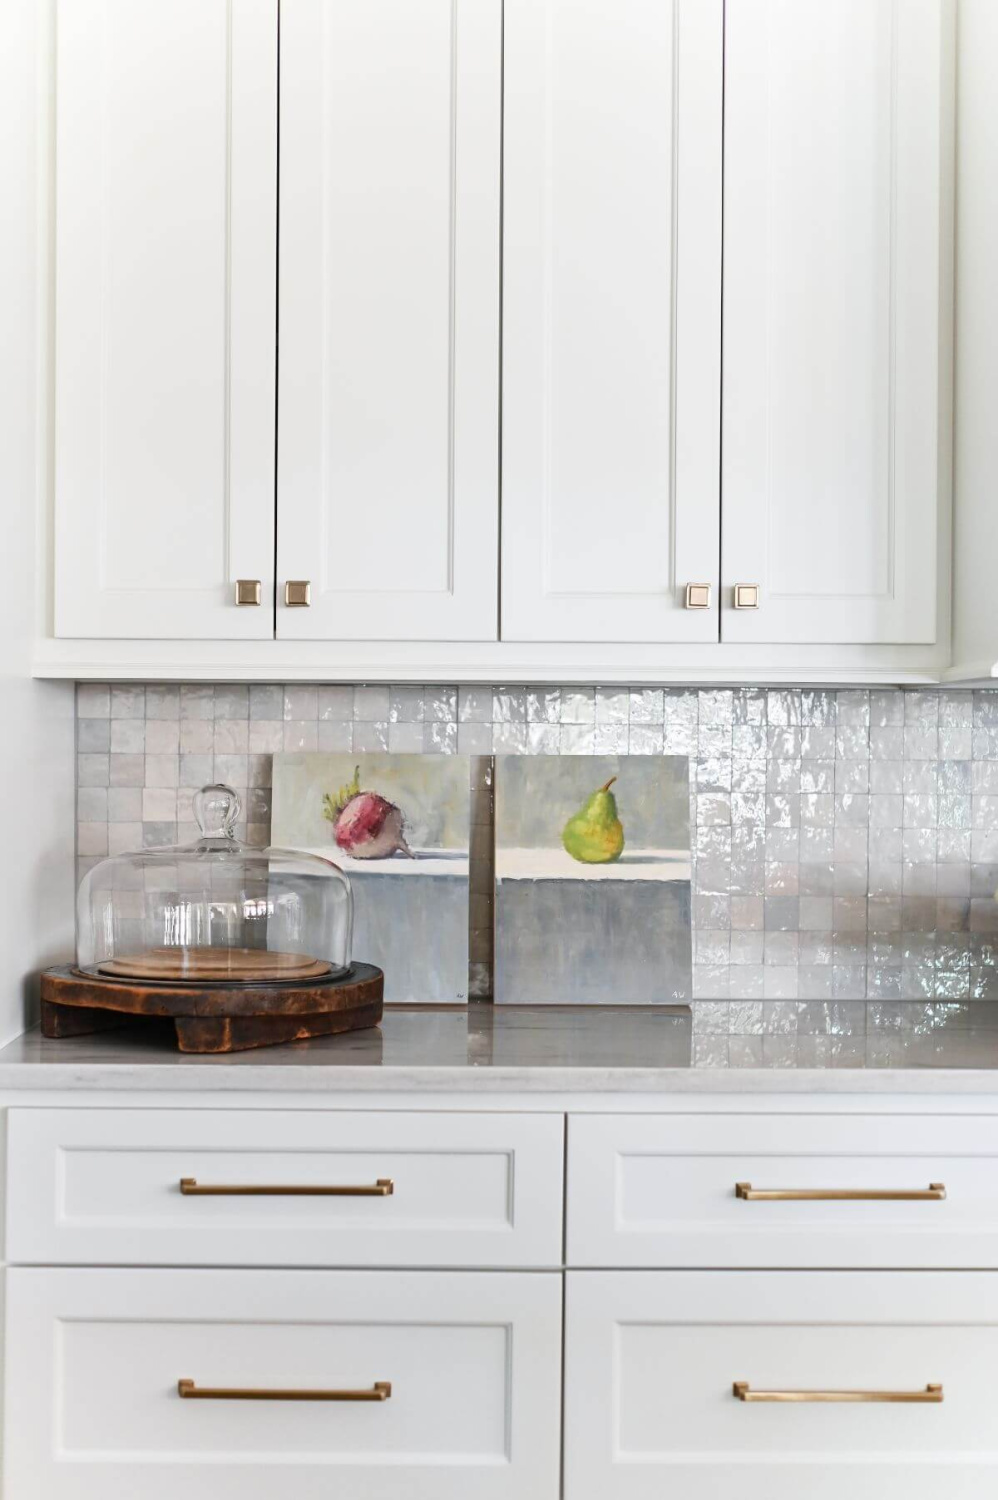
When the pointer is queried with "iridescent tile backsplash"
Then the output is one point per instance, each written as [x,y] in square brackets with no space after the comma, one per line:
[845,843]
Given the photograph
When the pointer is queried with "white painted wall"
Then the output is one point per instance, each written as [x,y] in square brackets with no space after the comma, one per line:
[975,593]
[36,718]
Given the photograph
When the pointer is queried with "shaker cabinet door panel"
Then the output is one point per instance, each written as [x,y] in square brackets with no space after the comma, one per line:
[834,128]
[388,464]
[611,319]
[165,212]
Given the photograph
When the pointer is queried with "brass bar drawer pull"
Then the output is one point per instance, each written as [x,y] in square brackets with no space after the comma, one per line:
[932,1395]
[380,1391]
[191,1188]
[934,1193]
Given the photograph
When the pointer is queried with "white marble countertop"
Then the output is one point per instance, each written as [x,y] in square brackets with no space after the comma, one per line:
[485,1049]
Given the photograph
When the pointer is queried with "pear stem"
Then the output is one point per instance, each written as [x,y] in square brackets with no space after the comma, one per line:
[606,787]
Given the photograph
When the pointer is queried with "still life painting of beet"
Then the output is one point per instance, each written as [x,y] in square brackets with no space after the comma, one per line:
[399,826]
[365,824]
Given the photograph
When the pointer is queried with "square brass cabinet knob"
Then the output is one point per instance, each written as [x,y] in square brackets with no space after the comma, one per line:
[698,596]
[297,593]
[248,591]
[746,596]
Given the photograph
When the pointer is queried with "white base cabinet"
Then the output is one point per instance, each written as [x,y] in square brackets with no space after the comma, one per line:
[652,1360]
[399,1299]
[94,1410]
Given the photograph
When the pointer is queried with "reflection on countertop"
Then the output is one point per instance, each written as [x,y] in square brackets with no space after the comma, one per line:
[866,1046]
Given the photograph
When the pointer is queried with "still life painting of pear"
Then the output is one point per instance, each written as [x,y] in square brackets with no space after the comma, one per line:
[595,834]
[400,827]
[592,865]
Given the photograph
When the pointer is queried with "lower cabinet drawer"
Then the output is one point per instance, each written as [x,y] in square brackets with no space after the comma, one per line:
[94,1357]
[320,1188]
[653,1357]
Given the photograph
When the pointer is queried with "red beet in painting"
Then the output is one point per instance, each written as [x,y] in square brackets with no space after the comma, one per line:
[365,824]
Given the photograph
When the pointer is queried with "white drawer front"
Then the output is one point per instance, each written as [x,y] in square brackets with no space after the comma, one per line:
[661,1190]
[104,1187]
[94,1358]
[652,1357]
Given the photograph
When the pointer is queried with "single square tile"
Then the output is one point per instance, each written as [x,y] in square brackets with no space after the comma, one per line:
[93,700]
[611,739]
[231,736]
[647,706]
[782,913]
[333,735]
[438,738]
[266,700]
[92,770]
[783,707]
[162,701]
[159,805]
[746,946]
[818,708]
[91,838]
[405,704]
[544,739]
[646,739]
[474,705]
[886,707]
[93,735]
[124,838]
[854,707]
[612,706]
[197,701]
[578,706]
[232,770]
[162,770]
[128,701]
[439,704]
[158,835]
[370,736]
[266,736]
[920,743]
[196,770]
[473,738]
[577,739]
[886,777]
[509,738]
[301,703]
[921,707]
[128,736]
[124,804]
[300,734]
[162,736]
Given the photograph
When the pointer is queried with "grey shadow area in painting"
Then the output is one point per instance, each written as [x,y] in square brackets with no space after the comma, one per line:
[617,932]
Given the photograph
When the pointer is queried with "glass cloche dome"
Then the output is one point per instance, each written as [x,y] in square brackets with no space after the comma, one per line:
[215,911]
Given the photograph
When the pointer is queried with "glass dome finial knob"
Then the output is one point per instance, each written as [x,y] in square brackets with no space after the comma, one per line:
[216,810]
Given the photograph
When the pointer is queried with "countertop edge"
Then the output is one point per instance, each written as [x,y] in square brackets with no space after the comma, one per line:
[212,1076]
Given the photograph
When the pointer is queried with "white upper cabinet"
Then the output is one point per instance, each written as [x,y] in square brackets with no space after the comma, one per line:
[834,129]
[611,319]
[165,212]
[388,462]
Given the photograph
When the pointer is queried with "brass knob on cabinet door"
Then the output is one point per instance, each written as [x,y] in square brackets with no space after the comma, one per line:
[698,596]
[298,593]
[746,596]
[248,591]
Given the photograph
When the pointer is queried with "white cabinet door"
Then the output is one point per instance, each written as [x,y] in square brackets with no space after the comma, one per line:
[652,1359]
[833,138]
[472,1363]
[611,318]
[388,465]
[166,203]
